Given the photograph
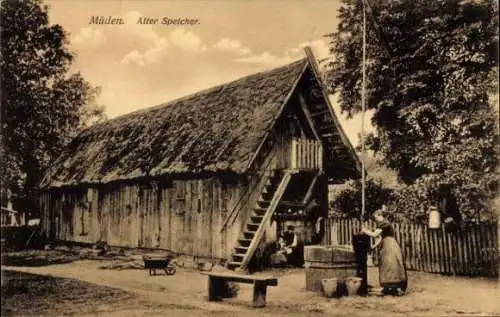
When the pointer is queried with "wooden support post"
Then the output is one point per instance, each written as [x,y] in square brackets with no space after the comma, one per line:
[310,189]
[301,154]
[320,156]
[259,294]
[214,288]
[308,115]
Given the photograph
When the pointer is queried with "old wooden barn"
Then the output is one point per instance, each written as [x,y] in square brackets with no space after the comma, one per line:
[211,175]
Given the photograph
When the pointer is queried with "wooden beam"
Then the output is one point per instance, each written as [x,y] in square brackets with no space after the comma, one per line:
[310,189]
[270,211]
[327,130]
[309,118]
[320,113]
[291,204]
[327,135]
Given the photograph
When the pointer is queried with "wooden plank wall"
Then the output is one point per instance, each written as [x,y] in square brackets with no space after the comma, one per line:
[184,217]
[294,142]
[472,250]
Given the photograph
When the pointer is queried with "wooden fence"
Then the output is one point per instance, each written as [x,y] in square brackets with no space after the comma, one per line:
[472,250]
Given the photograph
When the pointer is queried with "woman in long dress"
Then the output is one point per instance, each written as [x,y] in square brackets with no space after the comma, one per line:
[392,271]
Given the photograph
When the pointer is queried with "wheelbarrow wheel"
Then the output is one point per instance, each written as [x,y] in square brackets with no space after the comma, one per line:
[170,270]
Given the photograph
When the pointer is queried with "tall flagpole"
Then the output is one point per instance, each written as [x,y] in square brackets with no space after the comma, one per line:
[363,101]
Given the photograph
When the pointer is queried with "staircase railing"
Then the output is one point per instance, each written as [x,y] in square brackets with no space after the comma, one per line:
[306,154]
[269,212]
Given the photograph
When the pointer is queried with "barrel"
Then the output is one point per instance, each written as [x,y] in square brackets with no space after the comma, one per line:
[323,262]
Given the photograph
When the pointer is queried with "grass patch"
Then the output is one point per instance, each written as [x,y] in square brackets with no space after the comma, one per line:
[38,257]
[25,294]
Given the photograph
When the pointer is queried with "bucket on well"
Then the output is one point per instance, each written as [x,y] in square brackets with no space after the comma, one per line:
[329,286]
[353,284]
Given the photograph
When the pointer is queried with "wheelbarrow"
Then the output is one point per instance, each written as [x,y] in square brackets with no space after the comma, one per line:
[164,263]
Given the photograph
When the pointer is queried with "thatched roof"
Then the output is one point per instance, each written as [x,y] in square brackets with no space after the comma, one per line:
[218,129]
[215,130]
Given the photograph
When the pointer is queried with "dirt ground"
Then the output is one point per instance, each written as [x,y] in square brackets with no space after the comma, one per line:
[185,294]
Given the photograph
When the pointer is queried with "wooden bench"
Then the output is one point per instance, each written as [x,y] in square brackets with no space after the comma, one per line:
[260,284]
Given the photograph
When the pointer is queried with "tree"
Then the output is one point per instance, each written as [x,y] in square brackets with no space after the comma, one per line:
[431,73]
[42,105]
[348,201]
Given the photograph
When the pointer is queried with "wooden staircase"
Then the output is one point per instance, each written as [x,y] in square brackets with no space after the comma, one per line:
[328,129]
[327,132]
[255,228]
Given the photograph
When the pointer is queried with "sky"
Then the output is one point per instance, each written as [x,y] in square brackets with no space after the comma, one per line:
[143,65]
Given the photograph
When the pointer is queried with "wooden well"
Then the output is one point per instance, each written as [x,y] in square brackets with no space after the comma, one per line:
[327,262]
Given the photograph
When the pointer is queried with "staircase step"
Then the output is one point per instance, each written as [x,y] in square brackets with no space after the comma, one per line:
[320,113]
[263,203]
[256,219]
[245,242]
[238,257]
[260,212]
[268,191]
[328,135]
[260,209]
[253,226]
[241,250]
[234,264]
[285,203]
[248,234]
[266,196]
[326,129]
[272,183]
